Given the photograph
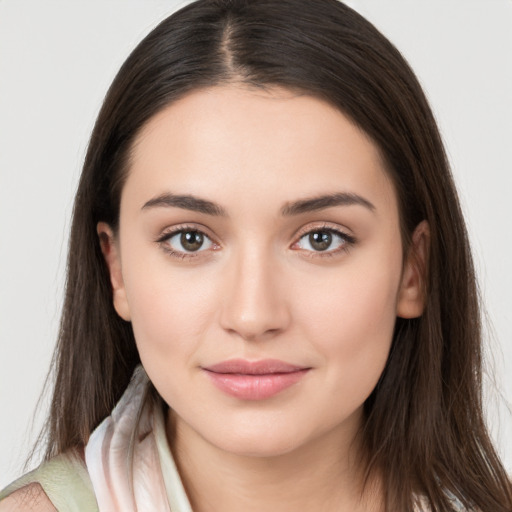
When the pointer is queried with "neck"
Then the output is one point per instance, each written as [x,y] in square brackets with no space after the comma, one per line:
[326,474]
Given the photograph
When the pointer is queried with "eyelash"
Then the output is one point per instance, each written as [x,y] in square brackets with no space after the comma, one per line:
[167,235]
[348,241]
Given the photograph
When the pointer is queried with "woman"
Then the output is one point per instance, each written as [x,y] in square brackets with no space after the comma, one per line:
[266,221]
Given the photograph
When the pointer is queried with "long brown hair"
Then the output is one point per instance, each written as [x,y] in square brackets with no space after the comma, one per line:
[424,428]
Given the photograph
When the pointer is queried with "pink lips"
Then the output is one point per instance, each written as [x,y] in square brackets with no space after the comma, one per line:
[254,380]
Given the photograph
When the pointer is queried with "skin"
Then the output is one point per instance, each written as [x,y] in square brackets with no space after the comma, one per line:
[29,498]
[258,288]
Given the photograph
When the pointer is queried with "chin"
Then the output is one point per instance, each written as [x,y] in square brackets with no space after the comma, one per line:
[269,438]
[259,446]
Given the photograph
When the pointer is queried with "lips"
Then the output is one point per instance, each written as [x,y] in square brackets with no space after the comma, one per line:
[254,380]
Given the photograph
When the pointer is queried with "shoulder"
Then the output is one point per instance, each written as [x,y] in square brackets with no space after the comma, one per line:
[61,483]
[30,497]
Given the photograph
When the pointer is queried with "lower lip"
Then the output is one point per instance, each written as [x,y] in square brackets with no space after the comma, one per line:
[255,387]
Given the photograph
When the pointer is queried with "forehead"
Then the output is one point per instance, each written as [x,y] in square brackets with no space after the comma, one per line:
[238,143]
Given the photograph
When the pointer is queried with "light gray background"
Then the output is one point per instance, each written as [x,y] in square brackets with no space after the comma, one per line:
[57,59]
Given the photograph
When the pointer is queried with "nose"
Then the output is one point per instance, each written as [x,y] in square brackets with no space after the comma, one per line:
[254,304]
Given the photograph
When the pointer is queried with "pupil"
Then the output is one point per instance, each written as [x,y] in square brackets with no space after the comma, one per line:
[320,240]
[191,240]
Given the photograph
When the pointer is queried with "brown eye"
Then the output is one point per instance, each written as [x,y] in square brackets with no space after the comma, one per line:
[185,241]
[326,240]
[191,240]
[320,240]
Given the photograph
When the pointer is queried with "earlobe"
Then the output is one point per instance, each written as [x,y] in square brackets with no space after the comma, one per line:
[412,293]
[110,250]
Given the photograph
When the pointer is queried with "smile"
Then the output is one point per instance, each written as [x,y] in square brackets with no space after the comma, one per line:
[254,380]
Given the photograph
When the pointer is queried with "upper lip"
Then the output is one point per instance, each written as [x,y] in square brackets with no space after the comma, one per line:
[261,367]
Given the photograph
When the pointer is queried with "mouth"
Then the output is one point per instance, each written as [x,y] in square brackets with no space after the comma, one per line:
[254,380]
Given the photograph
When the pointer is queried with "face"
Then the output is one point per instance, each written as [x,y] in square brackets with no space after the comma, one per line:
[259,260]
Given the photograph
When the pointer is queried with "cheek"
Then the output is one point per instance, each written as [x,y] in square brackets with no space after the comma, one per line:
[350,318]
[349,302]
[169,310]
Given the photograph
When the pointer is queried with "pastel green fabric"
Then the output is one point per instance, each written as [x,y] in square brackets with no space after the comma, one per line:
[65,481]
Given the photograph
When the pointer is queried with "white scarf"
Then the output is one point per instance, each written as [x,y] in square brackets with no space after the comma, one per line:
[128,458]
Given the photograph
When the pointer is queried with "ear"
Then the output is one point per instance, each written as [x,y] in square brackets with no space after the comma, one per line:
[110,250]
[411,296]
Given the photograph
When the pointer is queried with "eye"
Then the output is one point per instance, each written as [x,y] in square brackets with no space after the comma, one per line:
[326,240]
[185,241]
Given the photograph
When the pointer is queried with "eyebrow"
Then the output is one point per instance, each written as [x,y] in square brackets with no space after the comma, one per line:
[187,202]
[325,201]
[196,204]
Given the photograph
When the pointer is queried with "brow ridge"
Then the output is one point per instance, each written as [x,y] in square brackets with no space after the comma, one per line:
[187,202]
[193,203]
[326,201]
